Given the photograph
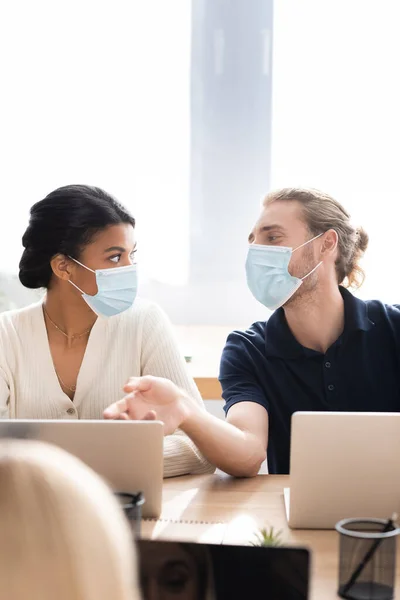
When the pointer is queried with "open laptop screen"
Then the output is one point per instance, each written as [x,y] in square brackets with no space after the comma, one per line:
[188,571]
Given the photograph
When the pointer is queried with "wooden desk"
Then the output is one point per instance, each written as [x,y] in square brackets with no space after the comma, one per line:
[219,509]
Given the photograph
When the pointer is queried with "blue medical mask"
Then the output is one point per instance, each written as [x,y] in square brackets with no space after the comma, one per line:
[268,276]
[116,290]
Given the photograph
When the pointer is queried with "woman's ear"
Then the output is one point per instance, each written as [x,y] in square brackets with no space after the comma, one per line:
[61,267]
[330,242]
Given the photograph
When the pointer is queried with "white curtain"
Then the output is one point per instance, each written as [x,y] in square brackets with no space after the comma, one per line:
[336,117]
[97,92]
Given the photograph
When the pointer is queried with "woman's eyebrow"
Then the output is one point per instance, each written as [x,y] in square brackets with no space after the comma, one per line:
[117,248]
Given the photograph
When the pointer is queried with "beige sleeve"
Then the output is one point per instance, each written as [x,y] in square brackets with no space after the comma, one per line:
[4,385]
[4,396]
[161,357]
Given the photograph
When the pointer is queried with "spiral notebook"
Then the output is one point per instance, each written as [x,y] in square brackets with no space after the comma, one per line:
[182,529]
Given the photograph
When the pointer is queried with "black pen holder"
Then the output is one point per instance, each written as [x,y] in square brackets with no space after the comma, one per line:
[367,559]
[132,507]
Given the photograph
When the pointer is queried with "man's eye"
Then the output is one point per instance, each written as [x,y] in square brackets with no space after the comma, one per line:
[272,238]
[115,259]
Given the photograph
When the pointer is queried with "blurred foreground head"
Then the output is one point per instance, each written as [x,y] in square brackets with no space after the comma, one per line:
[63,535]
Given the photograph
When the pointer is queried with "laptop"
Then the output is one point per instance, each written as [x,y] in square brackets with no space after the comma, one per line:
[343,465]
[127,454]
[187,570]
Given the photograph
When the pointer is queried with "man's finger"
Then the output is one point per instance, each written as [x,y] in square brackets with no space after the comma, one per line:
[115,410]
[150,416]
[138,384]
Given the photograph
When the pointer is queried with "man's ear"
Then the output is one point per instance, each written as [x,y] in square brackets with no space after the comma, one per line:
[61,267]
[329,242]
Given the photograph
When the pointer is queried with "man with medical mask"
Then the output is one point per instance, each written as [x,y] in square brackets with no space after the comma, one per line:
[321,349]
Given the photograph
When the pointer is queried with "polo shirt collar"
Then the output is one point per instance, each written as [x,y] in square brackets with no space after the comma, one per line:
[281,343]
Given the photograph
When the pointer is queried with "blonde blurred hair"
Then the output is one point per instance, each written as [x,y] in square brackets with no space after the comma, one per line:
[321,212]
[63,535]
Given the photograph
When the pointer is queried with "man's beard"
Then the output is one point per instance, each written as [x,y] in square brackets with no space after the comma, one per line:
[305,291]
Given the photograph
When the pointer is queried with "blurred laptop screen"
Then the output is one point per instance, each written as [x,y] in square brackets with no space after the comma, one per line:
[189,571]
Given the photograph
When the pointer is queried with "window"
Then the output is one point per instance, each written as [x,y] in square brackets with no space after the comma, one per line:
[164,104]
[336,119]
[97,92]
[167,105]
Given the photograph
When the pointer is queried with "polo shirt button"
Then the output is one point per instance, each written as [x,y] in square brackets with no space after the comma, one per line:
[71,411]
[328,364]
[331,387]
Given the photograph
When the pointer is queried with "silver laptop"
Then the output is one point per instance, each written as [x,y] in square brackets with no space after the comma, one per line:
[127,454]
[343,465]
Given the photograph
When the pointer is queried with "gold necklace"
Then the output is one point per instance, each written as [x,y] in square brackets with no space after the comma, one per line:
[64,385]
[71,389]
[73,337]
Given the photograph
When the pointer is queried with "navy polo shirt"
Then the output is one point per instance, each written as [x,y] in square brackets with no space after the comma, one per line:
[359,372]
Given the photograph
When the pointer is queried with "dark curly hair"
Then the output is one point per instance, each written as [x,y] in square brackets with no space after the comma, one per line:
[64,223]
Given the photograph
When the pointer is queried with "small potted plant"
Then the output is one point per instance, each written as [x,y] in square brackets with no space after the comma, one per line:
[268,537]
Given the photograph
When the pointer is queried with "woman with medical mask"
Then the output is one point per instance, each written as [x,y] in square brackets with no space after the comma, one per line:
[69,355]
